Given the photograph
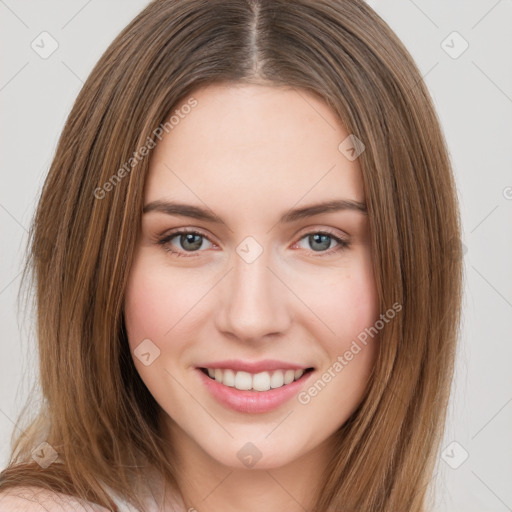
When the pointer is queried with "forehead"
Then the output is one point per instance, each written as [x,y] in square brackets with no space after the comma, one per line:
[245,144]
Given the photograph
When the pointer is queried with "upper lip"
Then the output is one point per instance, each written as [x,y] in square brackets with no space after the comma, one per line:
[253,366]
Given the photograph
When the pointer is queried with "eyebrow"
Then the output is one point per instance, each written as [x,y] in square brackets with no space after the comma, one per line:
[196,212]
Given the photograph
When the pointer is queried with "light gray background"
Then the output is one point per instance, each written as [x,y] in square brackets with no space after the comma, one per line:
[473,95]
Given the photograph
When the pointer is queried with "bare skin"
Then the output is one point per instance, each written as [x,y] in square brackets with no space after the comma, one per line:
[249,154]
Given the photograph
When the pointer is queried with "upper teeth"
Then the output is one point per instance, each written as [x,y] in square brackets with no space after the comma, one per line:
[258,382]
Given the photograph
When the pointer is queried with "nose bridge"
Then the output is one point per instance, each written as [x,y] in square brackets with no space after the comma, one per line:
[254,302]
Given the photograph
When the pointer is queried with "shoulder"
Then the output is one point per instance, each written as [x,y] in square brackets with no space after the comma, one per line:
[36,499]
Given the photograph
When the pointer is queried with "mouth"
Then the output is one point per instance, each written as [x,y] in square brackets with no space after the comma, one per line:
[256,382]
[247,392]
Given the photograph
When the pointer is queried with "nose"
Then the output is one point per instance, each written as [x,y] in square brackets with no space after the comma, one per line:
[254,302]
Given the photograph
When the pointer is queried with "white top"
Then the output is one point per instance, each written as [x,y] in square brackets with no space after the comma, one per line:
[173,504]
[152,498]
[35,498]
[32,499]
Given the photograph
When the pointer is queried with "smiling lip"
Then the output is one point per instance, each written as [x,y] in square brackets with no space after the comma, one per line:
[253,401]
[253,366]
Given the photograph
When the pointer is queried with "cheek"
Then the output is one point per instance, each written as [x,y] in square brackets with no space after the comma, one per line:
[357,304]
[155,302]
[347,303]
[150,311]
[143,308]
[351,308]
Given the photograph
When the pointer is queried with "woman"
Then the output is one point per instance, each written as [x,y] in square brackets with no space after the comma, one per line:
[247,266]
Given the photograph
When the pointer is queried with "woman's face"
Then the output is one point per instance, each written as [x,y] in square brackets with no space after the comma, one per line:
[264,283]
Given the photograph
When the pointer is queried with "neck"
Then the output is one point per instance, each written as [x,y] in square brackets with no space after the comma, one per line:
[208,485]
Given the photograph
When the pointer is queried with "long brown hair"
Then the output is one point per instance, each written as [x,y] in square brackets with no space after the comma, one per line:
[96,412]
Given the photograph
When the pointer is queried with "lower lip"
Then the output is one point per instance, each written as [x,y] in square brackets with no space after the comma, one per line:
[253,401]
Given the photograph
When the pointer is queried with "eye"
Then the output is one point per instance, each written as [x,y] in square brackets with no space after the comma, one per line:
[320,242]
[190,241]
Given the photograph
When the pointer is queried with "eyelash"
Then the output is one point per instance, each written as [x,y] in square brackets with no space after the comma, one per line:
[164,242]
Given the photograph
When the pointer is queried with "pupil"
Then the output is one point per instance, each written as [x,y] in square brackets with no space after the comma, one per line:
[189,238]
[318,238]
